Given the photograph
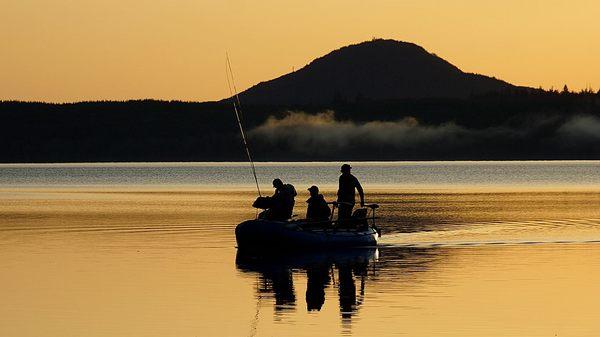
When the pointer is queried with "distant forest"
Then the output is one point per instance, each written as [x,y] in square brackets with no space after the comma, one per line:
[513,124]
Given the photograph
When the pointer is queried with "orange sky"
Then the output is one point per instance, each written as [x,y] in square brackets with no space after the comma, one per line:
[72,50]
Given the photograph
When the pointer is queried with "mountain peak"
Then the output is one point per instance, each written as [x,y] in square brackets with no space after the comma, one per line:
[381,46]
[378,70]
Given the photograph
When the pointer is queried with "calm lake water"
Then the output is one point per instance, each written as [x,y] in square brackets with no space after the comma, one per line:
[468,249]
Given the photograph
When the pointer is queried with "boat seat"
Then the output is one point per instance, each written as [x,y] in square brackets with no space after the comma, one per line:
[359,218]
[359,213]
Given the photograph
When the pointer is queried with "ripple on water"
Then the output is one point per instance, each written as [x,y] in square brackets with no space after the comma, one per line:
[500,232]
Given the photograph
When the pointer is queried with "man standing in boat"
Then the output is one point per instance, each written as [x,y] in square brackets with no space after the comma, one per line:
[346,195]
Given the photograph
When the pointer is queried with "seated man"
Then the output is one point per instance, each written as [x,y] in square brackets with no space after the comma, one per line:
[317,206]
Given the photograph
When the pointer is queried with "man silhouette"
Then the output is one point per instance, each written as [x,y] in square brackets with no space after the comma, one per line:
[346,195]
[317,206]
[282,201]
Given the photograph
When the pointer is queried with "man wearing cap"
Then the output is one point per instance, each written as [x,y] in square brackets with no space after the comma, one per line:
[317,206]
[346,195]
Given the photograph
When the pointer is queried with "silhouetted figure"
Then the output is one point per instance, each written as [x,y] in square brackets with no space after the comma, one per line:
[317,206]
[279,206]
[346,195]
[317,280]
[283,199]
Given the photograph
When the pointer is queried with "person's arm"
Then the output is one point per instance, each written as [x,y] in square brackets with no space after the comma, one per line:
[360,193]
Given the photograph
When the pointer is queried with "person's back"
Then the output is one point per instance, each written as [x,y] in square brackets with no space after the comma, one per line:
[289,193]
[347,188]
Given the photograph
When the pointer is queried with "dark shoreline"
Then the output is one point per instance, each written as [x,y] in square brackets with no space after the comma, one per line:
[513,125]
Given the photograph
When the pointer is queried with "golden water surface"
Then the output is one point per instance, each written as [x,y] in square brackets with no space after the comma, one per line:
[162,262]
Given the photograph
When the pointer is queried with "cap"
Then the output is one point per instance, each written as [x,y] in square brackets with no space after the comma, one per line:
[346,166]
[313,187]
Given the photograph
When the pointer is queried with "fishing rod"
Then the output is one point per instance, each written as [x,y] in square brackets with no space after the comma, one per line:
[237,107]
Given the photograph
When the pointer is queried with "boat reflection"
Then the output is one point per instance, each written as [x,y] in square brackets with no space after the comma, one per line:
[341,269]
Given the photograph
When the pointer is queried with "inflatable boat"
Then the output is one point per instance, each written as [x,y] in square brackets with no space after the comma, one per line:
[264,234]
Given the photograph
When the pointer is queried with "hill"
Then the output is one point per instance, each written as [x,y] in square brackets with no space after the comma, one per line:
[373,70]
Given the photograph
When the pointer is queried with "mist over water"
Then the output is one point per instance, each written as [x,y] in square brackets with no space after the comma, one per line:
[324,135]
[468,249]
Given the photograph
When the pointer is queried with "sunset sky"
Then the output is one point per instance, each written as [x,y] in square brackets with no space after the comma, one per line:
[73,50]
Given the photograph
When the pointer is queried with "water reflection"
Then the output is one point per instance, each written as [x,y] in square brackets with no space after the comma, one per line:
[341,269]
